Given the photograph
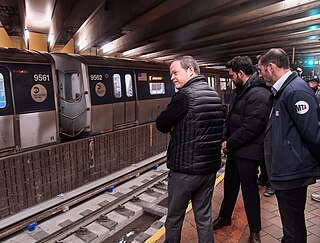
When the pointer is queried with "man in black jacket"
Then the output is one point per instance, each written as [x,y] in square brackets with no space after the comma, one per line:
[194,119]
[243,143]
[292,141]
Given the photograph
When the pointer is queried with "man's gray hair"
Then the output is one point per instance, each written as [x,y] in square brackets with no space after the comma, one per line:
[186,62]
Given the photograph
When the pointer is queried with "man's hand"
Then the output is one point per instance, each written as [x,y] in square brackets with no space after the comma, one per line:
[224,147]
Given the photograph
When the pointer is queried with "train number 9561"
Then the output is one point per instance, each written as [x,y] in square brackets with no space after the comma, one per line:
[41,77]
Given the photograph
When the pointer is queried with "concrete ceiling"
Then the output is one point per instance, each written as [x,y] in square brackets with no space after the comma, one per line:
[213,31]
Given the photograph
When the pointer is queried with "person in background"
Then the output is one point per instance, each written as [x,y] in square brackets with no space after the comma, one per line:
[263,180]
[194,119]
[295,68]
[314,84]
[291,143]
[243,144]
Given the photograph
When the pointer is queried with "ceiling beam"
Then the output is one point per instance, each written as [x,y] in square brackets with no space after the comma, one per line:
[12,16]
[193,11]
[67,18]
[115,20]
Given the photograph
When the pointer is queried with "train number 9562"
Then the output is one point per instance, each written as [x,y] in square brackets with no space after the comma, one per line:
[41,77]
[94,77]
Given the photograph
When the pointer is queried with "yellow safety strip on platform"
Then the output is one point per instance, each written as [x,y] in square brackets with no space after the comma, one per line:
[162,230]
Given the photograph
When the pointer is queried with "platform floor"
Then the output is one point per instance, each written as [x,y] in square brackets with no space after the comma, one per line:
[271,222]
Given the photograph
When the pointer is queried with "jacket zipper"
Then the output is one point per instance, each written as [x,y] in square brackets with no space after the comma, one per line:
[295,152]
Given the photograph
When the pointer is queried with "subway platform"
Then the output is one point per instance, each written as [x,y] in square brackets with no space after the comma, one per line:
[238,232]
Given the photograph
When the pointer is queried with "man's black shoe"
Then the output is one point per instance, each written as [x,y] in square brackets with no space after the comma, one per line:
[269,191]
[262,183]
[254,237]
[221,222]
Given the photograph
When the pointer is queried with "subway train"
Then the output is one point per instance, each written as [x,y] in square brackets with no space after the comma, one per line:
[105,107]
[44,97]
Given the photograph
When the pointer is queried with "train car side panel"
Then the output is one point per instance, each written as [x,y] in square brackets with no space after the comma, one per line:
[155,90]
[37,128]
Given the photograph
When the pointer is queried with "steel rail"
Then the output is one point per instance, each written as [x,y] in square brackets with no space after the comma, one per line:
[9,230]
[84,221]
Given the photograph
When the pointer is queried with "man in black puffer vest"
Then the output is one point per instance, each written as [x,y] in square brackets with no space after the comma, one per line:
[243,142]
[194,119]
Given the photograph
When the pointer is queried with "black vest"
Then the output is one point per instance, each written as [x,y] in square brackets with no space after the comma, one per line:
[195,144]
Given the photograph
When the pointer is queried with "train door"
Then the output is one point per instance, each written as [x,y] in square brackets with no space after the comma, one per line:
[7,131]
[101,99]
[34,103]
[124,98]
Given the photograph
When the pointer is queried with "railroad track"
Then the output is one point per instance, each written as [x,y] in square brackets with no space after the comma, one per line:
[56,225]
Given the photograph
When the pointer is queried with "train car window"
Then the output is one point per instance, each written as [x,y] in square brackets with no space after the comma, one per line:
[211,81]
[3,101]
[117,86]
[223,83]
[157,88]
[232,85]
[72,89]
[128,81]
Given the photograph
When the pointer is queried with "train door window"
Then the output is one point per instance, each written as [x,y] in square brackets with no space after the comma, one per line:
[223,83]
[157,88]
[128,81]
[3,101]
[72,89]
[117,85]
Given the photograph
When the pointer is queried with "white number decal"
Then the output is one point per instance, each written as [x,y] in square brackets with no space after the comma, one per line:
[38,77]
[95,77]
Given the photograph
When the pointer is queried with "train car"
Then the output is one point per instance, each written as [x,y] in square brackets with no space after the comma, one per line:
[220,80]
[28,104]
[111,104]
[91,95]
[99,94]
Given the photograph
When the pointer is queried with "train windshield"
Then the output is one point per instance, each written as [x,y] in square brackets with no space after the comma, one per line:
[72,89]
[3,101]
[157,88]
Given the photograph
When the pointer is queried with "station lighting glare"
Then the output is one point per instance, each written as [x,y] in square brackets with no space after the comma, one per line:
[129,52]
[50,37]
[313,27]
[310,62]
[107,47]
[314,12]
[313,37]
[26,32]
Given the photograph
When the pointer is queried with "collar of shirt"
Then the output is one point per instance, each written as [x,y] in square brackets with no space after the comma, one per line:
[278,84]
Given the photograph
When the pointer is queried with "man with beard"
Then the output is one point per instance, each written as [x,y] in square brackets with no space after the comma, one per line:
[243,144]
[291,143]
